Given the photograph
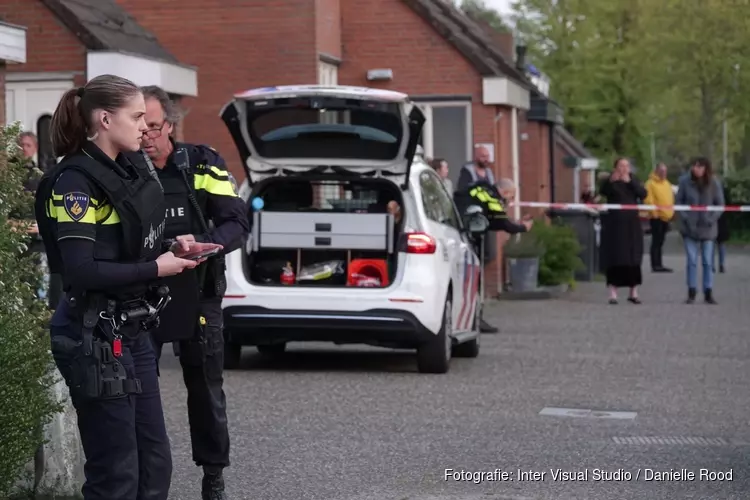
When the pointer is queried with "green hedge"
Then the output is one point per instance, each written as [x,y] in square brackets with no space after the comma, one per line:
[26,369]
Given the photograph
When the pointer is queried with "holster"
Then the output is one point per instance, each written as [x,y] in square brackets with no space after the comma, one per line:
[89,366]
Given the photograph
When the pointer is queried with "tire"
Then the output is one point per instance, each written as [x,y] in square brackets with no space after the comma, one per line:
[232,356]
[434,356]
[271,349]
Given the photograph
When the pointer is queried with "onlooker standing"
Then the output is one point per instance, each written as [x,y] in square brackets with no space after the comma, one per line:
[659,192]
[28,144]
[622,234]
[699,229]
[441,167]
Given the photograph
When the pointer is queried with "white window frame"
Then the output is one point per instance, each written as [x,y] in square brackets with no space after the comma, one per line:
[427,139]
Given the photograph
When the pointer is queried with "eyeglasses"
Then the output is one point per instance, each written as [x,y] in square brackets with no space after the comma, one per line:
[154,133]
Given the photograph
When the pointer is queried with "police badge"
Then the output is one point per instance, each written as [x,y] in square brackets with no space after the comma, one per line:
[233,182]
[76,205]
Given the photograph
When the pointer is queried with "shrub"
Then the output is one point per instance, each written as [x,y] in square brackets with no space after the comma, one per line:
[737,191]
[560,259]
[26,370]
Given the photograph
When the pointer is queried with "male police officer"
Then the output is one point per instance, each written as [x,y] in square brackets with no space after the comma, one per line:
[473,173]
[199,193]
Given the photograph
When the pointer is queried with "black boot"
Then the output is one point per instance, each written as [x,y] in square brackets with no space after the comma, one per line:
[708,296]
[212,487]
[485,327]
[691,296]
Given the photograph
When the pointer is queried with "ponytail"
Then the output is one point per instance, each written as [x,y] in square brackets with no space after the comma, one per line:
[71,122]
[68,127]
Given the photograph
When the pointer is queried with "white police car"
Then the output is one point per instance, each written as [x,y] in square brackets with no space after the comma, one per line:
[354,238]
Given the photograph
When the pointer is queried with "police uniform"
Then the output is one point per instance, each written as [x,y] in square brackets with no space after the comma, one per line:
[102,223]
[200,335]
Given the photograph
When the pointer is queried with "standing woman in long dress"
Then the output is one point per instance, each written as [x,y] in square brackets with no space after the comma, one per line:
[622,234]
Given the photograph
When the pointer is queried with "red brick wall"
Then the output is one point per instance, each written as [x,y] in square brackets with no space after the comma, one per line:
[328,27]
[235,46]
[50,46]
[564,178]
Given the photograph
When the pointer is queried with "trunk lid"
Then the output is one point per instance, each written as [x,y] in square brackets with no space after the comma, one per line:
[313,128]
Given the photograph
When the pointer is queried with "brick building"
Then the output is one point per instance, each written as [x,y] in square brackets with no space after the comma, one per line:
[464,77]
[72,41]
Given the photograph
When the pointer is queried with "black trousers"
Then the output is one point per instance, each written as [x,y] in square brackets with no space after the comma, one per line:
[659,230]
[128,456]
[202,361]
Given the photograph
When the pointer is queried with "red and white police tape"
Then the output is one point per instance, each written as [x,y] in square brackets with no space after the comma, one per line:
[618,206]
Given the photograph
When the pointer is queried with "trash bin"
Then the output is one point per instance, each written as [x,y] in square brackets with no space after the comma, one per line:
[586,226]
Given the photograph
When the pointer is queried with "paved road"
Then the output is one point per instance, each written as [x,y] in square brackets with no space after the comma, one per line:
[360,424]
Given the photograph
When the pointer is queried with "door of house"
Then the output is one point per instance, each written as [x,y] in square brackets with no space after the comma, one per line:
[447,133]
[31,98]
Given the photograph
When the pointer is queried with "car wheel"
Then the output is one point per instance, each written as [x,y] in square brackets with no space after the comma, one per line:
[232,355]
[435,356]
[271,349]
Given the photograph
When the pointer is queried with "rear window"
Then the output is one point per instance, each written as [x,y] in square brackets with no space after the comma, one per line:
[325,128]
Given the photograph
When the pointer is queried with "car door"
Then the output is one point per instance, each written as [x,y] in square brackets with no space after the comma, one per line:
[466,265]
[444,226]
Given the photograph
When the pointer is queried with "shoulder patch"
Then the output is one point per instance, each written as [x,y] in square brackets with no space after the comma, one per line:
[76,204]
[233,182]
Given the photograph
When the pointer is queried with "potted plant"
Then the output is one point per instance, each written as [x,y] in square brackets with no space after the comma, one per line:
[523,253]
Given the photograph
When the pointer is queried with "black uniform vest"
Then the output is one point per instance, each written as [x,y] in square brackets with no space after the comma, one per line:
[180,320]
[139,202]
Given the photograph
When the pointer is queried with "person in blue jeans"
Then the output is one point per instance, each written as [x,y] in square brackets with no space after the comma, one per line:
[699,229]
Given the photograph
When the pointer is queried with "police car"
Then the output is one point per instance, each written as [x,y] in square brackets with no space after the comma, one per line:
[354,237]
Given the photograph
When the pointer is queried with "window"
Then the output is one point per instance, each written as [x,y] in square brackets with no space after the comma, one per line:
[437,204]
[447,133]
[45,156]
[325,127]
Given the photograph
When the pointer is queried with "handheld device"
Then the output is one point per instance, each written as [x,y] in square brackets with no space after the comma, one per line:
[201,255]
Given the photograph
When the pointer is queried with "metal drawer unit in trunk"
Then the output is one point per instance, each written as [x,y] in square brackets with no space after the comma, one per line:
[323,231]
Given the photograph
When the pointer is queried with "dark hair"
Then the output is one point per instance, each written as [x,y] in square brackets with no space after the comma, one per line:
[619,159]
[71,121]
[435,163]
[172,112]
[707,178]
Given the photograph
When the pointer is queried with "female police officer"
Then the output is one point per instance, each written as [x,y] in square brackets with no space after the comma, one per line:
[101,219]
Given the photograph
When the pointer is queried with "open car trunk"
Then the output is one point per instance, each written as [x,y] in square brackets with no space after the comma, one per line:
[322,231]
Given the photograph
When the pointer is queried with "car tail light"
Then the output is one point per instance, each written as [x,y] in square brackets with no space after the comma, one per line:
[420,243]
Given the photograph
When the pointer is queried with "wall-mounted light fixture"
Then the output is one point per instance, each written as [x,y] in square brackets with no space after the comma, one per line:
[380,74]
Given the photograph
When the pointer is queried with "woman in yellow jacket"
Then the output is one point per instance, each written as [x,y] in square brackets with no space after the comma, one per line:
[659,192]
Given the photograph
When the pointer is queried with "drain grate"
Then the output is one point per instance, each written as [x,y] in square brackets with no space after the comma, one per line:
[671,441]
[586,413]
